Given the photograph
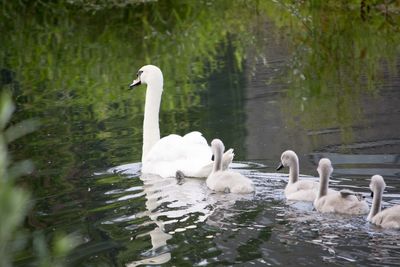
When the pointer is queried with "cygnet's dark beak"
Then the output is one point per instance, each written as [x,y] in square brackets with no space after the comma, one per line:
[280,166]
[135,83]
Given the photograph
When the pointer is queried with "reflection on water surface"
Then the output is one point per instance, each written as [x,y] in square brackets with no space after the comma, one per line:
[259,228]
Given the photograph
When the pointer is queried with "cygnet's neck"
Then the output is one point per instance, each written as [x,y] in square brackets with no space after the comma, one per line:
[151,128]
[323,183]
[217,159]
[294,171]
[376,203]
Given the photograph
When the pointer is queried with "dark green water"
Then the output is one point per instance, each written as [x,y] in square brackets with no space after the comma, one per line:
[319,78]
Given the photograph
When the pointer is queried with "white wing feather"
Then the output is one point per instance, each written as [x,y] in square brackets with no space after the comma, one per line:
[188,154]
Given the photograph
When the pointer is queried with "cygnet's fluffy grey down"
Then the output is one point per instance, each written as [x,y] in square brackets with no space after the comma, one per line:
[388,218]
[226,180]
[344,202]
[304,190]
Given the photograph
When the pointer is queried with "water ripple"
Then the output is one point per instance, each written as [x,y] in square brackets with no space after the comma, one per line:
[259,228]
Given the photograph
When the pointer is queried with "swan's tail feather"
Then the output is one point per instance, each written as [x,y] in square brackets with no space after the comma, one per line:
[227,158]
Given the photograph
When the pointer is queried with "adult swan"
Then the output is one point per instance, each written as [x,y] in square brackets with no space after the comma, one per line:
[189,154]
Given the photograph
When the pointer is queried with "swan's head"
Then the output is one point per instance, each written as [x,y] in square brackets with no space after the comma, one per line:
[217,147]
[288,158]
[150,75]
[377,184]
[325,168]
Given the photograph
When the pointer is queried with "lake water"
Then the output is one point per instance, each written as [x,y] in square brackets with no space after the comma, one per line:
[263,85]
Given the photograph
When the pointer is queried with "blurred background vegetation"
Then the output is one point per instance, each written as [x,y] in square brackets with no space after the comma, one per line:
[341,49]
[68,64]
[15,202]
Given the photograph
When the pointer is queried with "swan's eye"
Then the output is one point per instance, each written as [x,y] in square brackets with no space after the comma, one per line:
[212,158]
[139,73]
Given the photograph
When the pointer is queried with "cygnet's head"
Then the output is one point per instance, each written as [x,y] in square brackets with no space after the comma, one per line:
[288,158]
[377,183]
[325,168]
[148,74]
[217,147]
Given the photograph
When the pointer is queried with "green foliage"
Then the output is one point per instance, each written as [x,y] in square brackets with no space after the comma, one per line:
[15,202]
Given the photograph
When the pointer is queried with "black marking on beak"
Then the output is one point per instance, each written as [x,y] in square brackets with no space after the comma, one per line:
[280,166]
[137,81]
[212,158]
[372,194]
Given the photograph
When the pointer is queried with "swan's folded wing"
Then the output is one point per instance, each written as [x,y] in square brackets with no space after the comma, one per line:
[195,138]
[346,193]
[167,148]
[306,185]
[390,217]
[173,152]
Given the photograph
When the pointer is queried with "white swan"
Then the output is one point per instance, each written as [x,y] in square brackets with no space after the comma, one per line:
[190,154]
[295,189]
[388,218]
[225,180]
[345,201]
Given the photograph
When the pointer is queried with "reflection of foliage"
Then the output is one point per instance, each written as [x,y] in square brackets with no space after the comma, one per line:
[339,51]
[70,62]
[64,64]
[61,58]
[81,60]
[14,201]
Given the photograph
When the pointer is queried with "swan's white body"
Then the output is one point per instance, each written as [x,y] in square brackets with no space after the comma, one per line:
[336,202]
[297,190]
[388,218]
[189,154]
[302,191]
[225,180]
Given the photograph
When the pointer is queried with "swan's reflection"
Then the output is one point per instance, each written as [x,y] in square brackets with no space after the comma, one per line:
[170,203]
[174,207]
[262,228]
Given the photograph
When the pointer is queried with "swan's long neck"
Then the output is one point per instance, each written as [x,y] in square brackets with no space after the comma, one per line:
[376,203]
[294,171]
[151,128]
[323,184]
